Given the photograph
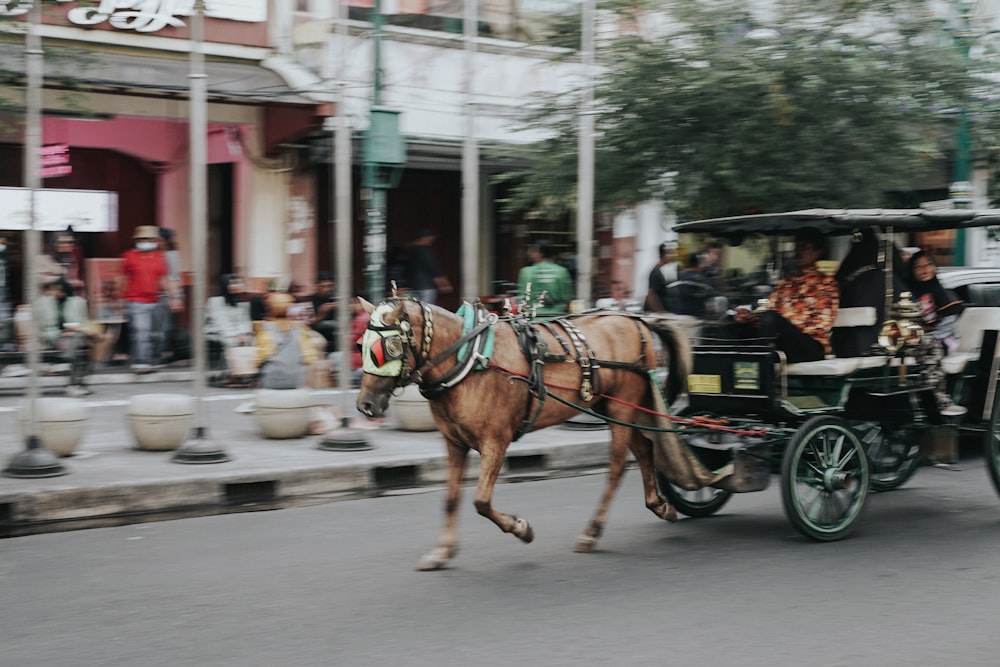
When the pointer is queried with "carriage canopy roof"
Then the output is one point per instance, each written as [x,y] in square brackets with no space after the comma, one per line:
[843,221]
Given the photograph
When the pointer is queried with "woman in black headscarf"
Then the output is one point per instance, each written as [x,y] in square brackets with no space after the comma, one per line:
[227,320]
[939,311]
[862,283]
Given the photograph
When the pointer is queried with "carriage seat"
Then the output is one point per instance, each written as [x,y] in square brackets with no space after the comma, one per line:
[970,327]
[859,316]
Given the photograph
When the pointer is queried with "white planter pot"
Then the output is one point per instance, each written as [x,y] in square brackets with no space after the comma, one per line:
[60,423]
[413,411]
[161,422]
[283,413]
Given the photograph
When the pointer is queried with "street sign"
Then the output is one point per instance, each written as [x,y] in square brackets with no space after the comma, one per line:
[55,161]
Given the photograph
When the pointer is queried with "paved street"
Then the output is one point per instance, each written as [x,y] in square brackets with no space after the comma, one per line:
[334,584]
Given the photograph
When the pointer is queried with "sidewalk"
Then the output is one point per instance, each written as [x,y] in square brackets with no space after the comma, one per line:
[109,482]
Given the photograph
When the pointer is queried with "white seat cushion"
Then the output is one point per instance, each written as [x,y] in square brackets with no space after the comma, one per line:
[971,324]
[834,366]
[955,363]
[858,316]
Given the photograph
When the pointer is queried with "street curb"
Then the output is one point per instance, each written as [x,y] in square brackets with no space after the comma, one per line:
[215,490]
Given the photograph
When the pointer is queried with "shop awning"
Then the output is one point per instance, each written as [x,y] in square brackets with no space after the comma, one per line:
[234,81]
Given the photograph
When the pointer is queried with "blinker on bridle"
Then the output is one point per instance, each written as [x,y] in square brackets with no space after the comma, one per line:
[386,349]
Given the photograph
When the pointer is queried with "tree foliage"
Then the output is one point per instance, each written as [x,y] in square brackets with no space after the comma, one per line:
[720,110]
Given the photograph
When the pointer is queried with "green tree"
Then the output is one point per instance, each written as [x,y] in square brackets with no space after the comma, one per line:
[722,111]
[12,74]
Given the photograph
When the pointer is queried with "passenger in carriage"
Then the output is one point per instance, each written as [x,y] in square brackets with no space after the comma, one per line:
[861,279]
[803,306]
[939,311]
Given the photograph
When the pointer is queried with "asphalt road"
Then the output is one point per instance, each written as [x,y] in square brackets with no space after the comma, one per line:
[334,584]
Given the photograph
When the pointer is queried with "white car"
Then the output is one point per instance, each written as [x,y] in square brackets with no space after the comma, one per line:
[977,286]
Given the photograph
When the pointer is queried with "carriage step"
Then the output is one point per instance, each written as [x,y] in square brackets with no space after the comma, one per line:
[750,473]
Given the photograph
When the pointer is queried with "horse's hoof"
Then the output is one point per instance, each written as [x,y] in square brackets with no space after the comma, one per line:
[522,530]
[435,560]
[585,544]
[669,513]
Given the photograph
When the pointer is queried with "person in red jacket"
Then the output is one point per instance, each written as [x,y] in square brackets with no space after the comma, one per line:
[146,279]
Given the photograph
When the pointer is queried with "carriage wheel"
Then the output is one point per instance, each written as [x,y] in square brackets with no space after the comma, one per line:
[992,442]
[892,456]
[701,502]
[824,478]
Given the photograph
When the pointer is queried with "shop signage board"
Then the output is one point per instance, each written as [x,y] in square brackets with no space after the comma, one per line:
[148,15]
[85,210]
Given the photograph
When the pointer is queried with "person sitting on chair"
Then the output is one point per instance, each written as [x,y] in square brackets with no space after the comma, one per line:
[64,325]
[227,321]
[803,306]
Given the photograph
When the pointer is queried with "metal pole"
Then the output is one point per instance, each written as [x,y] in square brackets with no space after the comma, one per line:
[585,163]
[34,461]
[375,221]
[344,438]
[470,161]
[199,449]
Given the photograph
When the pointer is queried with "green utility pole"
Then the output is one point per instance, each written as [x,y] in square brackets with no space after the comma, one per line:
[383,157]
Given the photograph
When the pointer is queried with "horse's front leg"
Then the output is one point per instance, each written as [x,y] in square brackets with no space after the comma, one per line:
[447,545]
[492,455]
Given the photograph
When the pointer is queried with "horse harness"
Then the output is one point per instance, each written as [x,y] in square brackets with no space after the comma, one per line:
[576,349]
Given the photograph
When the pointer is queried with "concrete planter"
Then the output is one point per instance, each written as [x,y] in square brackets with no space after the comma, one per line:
[60,423]
[412,411]
[161,422]
[283,413]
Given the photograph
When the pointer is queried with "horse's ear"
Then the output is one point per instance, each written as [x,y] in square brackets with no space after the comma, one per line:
[367,305]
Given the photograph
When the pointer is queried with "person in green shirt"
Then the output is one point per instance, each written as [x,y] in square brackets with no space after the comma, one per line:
[544,275]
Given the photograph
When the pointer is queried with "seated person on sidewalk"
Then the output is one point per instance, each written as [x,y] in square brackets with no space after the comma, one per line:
[324,302]
[803,306]
[939,311]
[227,321]
[64,325]
[285,347]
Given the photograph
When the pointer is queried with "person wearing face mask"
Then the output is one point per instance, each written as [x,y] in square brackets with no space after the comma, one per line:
[146,277]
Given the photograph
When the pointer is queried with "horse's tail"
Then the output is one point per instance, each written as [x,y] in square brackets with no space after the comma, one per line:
[677,349]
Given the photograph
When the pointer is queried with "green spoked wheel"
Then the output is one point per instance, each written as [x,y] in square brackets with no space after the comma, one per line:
[991,453]
[701,502]
[893,456]
[824,478]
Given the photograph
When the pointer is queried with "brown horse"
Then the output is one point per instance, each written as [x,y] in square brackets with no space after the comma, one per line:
[601,361]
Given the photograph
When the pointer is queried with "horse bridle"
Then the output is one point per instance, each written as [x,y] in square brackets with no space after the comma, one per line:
[397,341]
[402,341]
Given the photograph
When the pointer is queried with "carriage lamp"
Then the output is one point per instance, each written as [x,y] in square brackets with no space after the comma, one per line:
[904,329]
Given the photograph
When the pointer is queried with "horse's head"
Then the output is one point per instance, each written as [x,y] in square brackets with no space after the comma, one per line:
[390,355]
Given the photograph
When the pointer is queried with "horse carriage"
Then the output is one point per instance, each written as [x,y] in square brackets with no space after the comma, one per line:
[840,427]
[703,426]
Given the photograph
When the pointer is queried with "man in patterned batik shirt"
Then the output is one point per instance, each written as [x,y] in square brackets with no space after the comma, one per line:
[803,306]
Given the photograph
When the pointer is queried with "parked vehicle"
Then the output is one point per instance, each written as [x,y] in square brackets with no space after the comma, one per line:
[977,286]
